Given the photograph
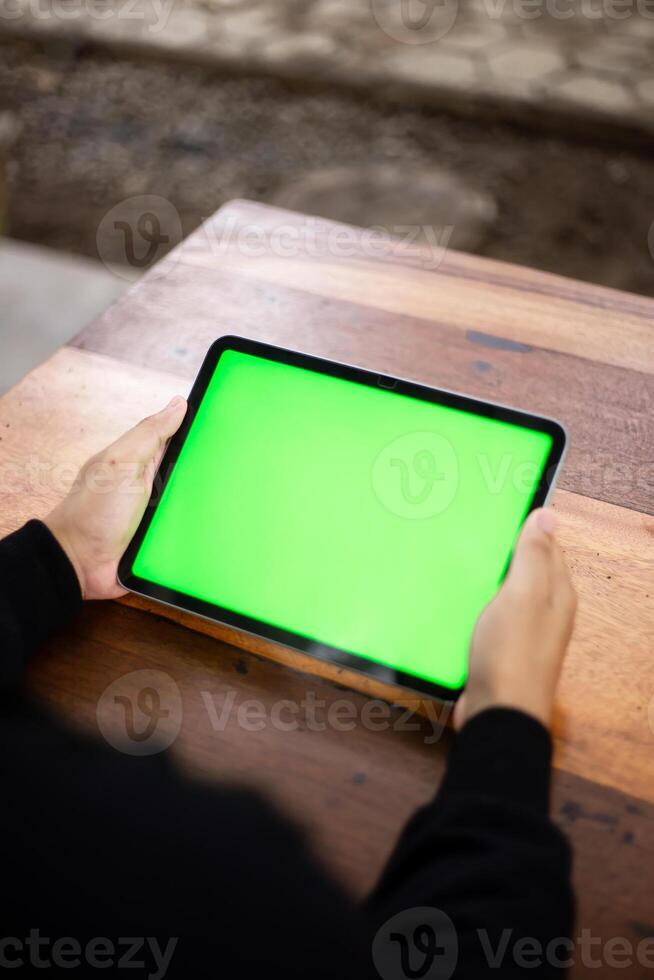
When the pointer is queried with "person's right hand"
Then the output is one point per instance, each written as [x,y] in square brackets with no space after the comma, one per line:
[521,637]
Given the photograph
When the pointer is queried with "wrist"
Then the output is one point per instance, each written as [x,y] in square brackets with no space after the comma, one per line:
[528,700]
[57,528]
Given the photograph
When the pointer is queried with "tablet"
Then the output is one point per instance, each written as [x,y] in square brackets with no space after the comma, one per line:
[360,518]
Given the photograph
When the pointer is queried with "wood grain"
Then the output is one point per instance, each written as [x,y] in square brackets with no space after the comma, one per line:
[348,785]
[609,676]
[337,261]
[576,351]
[62,413]
[606,409]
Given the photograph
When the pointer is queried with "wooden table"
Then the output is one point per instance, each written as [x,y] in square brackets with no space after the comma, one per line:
[582,353]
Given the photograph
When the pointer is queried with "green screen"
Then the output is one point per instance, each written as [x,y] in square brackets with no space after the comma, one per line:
[357,517]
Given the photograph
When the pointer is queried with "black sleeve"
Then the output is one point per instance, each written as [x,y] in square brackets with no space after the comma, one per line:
[96,843]
[486,853]
[39,593]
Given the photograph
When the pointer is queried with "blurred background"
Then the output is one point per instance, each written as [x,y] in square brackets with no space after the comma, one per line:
[524,126]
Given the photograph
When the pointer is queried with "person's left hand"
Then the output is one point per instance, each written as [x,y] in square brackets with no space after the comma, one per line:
[97,520]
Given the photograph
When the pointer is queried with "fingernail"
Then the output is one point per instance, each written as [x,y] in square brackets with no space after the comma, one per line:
[546,520]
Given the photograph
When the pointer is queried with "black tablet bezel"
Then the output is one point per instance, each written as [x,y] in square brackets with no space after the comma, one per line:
[342,658]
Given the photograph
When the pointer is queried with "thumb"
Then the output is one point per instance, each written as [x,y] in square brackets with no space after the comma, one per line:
[174,413]
[532,557]
[148,439]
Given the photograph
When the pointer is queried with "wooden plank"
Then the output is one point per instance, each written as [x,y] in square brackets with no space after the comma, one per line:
[239,218]
[337,261]
[351,787]
[78,401]
[604,723]
[169,321]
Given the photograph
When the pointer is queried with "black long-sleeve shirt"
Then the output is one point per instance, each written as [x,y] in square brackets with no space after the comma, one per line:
[122,860]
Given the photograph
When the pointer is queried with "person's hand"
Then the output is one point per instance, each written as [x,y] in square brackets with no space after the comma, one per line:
[521,637]
[97,520]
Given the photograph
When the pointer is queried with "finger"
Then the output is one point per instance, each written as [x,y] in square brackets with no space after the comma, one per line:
[531,566]
[152,465]
[159,455]
[142,443]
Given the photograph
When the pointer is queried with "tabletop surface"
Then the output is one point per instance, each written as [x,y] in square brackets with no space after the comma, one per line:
[581,353]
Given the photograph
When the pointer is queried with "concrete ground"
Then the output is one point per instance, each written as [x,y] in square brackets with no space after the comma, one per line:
[47,297]
[103,134]
[588,62]
[369,111]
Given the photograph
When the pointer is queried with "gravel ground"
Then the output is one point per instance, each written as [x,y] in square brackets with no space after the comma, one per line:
[97,129]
